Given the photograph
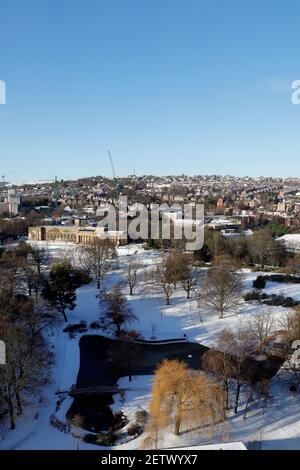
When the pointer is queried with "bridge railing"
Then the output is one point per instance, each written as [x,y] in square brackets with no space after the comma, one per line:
[94,390]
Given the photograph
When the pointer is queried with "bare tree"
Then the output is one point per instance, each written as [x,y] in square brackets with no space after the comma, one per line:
[163,276]
[126,354]
[236,347]
[24,371]
[28,274]
[261,327]
[174,268]
[290,330]
[261,246]
[27,356]
[8,303]
[222,291]
[10,273]
[132,275]
[33,280]
[37,317]
[188,275]
[40,257]
[255,391]
[116,308]
[96,258]
[221,363]
[293,265]
[215,242]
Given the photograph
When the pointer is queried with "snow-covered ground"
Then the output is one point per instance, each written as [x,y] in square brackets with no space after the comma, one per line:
[272,424]
[277,423]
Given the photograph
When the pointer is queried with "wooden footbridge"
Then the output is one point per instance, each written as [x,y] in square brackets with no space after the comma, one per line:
[76,391]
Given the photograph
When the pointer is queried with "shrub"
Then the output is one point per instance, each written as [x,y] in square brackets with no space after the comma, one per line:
[95,325]
[280,301]
[106,439]
[260,282]
[290,302]
[102,439]
[90,438]
[254,295]
[273,300]
[61,426]
[81,276]
[134,429]
[76,328]
[141,417]
[283,278]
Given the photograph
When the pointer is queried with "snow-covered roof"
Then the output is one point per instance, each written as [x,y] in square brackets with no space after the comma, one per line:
[292,241]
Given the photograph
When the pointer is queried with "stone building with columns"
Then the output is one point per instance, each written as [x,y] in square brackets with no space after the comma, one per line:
[76,234]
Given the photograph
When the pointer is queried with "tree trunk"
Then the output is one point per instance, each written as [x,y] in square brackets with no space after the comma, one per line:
[131,291]
[19,404]
[177,423]
[11,412]
[168,300]
[98,284]
[32,338]
[238,389]
[156,439]
[65,316]
[221,307]
[247,405]
[226,389]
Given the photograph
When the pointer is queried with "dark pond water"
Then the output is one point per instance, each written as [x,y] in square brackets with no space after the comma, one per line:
[97,369]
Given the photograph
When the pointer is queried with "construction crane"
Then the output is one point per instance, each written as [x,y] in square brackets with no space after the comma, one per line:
[55,191]
[117,183]
[3,176]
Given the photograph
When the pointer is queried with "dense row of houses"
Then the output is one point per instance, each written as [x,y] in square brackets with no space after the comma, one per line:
[240,203]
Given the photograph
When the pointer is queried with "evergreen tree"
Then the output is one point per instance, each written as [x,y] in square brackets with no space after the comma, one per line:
[61,290]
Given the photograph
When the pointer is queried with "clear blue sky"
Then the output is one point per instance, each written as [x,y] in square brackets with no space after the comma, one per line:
[169,86]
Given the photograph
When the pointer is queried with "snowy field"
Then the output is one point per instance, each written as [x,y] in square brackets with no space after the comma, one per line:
[275,423]
[271,425]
